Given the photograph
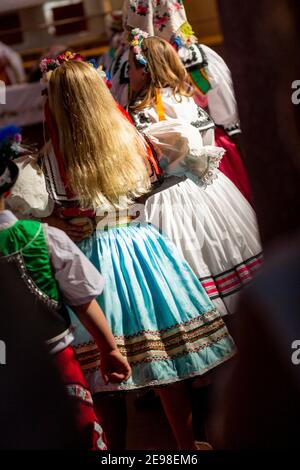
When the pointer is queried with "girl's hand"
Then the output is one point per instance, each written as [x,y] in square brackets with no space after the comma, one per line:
[75,232]
[114,367]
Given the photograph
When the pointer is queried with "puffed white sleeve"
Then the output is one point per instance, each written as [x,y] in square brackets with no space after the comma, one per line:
[221,98]
[29,197]
[78,280]
[182,152]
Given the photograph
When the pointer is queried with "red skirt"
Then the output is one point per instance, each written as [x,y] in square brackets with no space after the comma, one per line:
[232,165]
[90,431]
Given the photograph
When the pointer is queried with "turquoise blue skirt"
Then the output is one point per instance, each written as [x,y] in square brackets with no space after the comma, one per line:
[159,313]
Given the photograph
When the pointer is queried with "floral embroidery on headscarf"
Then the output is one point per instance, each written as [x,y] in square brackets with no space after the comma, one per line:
[178,5]
[158,17]
[165,10]
[160,22]
[141,7]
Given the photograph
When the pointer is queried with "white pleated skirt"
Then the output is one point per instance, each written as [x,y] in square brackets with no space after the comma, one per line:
[215,230]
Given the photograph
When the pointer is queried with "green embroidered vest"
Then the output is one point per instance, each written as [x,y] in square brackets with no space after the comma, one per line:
[25,268]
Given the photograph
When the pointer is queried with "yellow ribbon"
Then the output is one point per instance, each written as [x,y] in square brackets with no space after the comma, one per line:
[159,106]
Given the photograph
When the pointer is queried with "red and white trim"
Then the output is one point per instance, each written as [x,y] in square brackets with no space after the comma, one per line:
[231,281]
[89,429]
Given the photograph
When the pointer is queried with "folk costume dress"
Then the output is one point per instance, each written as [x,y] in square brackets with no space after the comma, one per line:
[43,264]
[212,78]
[160,315]
[208,219]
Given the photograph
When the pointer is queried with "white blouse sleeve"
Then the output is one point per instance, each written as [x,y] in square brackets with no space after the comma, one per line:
[29,197]
[78,280]
[221,98]
[183,153]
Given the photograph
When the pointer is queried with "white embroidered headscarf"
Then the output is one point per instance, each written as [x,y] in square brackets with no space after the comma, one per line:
[161,18]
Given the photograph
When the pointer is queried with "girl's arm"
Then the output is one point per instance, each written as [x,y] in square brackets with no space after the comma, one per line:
[80,283]
[114,366]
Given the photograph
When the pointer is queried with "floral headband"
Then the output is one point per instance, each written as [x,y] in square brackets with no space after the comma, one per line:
[137,38]
[48,64]
[184,36]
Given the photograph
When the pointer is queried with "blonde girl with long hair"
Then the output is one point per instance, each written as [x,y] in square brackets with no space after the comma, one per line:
[219,236]
[162,320]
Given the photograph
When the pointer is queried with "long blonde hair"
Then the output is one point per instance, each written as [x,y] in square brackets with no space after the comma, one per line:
[165,70]
[104,156]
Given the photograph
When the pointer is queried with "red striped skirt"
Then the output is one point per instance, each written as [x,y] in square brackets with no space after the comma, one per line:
[90,431]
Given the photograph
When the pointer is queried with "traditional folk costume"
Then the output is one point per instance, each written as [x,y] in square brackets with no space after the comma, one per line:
[208,219]
[160,315]
[208,71]
[46,270]
[45,261]
[114,31]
